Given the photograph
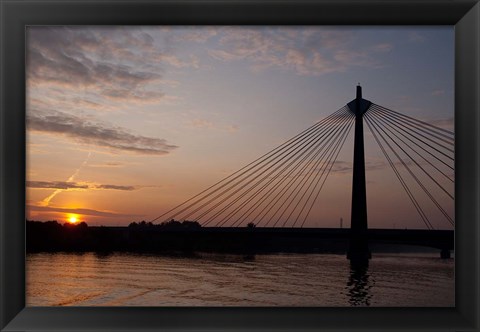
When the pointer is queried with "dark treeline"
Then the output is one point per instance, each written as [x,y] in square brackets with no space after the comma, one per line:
[173,235]
[189,236]
[170,236]
[53,225]
[172,224]
[54,236]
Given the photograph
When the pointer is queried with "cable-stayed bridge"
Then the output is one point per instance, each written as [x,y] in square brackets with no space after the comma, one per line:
[281,188]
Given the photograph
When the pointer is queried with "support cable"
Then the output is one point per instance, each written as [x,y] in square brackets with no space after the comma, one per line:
[388,126]
[317,181]
[325,179]
[412,159]
[397,173]
[411,129]
[426,124]
[285,189]
[440,136]
[397,128]
[295,192]
[289,155]
[416,178]
[300,152]
[276,199]
[260,165]
[257,161]
[287,176]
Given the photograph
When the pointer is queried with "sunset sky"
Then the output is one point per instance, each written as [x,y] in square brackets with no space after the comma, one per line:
[124,123]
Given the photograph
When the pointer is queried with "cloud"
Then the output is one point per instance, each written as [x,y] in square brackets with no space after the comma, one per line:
[95,133]
[75,185]
[97,67]
[81,211]
[342,167]
[346,167]
[110,164]
[79,71]
[307,51]
[196,34]
[375,165]
[264,49]
[199,123]
[55,185]
[191,62]
[114,187]
[105,60]
[171,100]
[75,72]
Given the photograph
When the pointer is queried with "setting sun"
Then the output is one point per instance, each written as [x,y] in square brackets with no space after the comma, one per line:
[72,219]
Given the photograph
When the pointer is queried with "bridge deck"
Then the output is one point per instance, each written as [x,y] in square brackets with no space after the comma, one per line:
[262,239]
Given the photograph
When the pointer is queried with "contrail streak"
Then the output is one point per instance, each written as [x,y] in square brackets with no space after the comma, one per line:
[47,200]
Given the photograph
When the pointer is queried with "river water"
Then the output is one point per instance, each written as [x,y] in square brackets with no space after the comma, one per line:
[119,279]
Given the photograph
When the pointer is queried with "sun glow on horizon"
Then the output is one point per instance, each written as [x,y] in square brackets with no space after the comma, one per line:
[72,218]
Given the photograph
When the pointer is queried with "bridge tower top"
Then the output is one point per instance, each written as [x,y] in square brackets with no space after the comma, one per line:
[359,106]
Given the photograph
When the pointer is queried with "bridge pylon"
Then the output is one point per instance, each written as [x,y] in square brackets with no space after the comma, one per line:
[358,248]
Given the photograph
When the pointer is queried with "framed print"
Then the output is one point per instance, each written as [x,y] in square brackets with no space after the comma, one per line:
[239,165]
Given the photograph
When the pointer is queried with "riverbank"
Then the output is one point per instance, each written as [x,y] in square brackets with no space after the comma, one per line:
[53,237]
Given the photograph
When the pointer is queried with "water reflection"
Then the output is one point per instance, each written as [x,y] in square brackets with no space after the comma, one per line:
[123,279]
[359,284]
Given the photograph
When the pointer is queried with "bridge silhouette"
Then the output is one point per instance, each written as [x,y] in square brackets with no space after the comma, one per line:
[275,194]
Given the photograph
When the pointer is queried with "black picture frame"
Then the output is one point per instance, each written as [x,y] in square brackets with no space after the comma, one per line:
[15,15]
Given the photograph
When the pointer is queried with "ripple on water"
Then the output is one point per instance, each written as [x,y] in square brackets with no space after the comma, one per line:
[121,279]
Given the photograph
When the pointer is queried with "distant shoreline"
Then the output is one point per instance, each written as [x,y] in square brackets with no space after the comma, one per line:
[54,237]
